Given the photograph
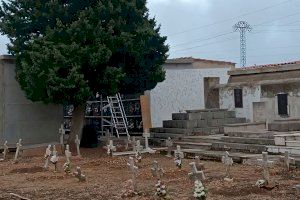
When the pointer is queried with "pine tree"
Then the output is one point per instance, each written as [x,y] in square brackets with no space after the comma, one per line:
[68,50]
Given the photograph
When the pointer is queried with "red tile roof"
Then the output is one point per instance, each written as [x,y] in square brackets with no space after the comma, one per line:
[269,65]
[189,60]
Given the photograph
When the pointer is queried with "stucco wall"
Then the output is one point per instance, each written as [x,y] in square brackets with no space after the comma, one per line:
[182,89]
[250,94]
[33,122]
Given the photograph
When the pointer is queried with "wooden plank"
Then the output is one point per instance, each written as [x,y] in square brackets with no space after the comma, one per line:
[146,112]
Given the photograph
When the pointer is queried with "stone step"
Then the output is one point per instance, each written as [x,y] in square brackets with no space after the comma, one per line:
[280,139]
[282,149]
[202,139]
[186,124]
[194,145]
[288,125]
[292,143]
[238,147]
[253,126]
[237,157]
[190,115]
[194,131]
[243,140]
[165,135]
[251,134]
[225,121]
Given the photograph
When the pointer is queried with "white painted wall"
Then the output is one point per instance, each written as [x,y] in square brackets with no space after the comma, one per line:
[183,89]
[250,95]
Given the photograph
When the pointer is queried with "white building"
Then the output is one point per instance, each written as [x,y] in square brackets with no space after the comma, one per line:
[187,86]
[263,93]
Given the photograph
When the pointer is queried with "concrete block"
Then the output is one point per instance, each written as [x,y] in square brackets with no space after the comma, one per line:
[229,114]
[280,141]
[201,123]
[196,116]
[294,126]
[180,116]
[218,115]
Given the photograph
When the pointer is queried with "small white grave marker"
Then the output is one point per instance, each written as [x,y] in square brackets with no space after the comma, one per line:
[146,135]
[195,174]
[110,148]
[199,164]
[18,150]
[47,156]
[265,163]
[134,171]
[67,165]
[78,174]
[77,142]
[169,144]
[178,154]
[62,133]
[227,161]
[287,160]
[54,158]
[156,170]
[5,151]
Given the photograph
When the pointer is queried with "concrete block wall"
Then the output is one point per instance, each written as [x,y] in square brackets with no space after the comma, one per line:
[34,122]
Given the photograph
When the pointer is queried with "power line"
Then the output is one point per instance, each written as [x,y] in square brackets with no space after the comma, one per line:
[207,44]
[232,18]
[213,37]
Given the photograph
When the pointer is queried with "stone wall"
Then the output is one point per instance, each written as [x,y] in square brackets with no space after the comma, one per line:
[35,123]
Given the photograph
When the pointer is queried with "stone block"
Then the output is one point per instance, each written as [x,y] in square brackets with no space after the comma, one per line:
[280,141]
[294,126]
[229,114]
[201,123]
[180,116]
[218,115]
[196,116]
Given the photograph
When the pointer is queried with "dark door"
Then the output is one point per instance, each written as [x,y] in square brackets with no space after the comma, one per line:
[282,104]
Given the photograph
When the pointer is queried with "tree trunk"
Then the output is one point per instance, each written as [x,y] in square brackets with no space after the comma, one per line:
[77,123]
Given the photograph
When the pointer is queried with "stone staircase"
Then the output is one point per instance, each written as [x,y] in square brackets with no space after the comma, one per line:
[195,122]
[287,137]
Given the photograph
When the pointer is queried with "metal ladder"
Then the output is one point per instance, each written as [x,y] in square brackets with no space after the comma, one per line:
[118,115]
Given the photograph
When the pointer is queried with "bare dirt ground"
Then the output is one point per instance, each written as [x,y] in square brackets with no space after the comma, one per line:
[106,177]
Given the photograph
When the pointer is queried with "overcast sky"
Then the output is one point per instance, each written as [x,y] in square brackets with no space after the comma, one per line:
[203,29]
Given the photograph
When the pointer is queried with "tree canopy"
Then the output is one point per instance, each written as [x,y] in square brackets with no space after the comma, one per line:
[70,49]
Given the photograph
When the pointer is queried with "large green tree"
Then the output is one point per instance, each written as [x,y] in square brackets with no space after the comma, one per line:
[67,50]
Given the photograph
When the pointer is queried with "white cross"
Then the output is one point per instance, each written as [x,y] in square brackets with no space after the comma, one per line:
[110,148]
[47,156]
[199,165]
[54,158]
[265,163]
[227,160]
[78,174]
[146,135]
[19,146]
[68,154]
[5,150]
[138,146]
[62,132]
[156,170]
[287,160]
[169,144]
[195,174]
[77,142]
[178,154]
[134,171]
